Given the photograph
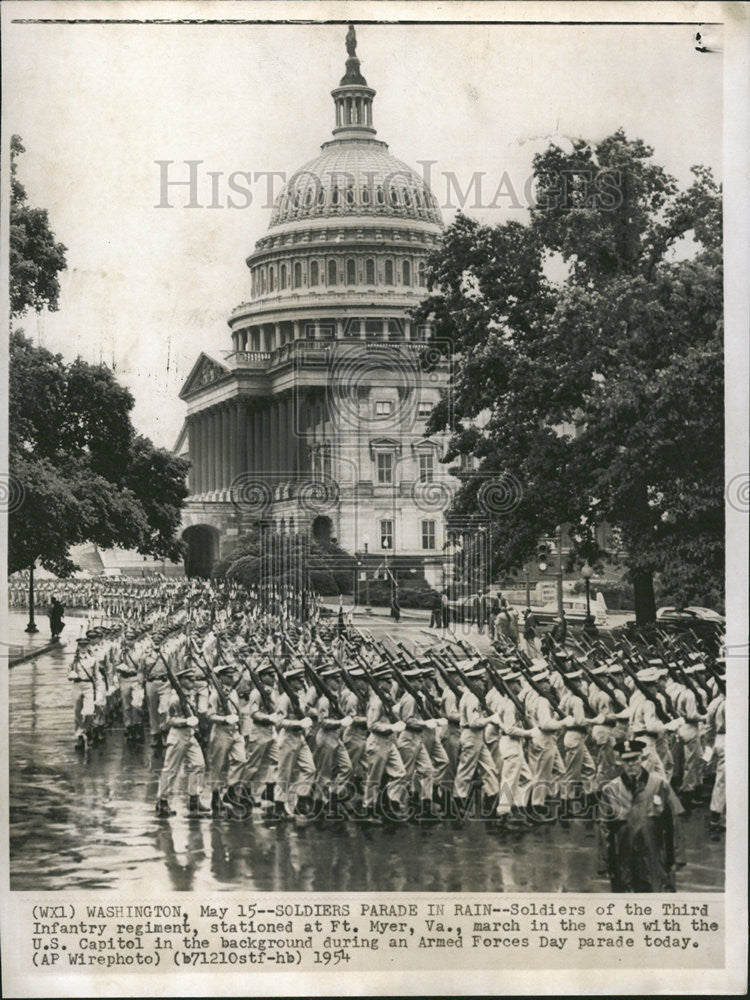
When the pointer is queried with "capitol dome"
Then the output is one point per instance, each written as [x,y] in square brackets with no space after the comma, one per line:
[355,176]
[355,218]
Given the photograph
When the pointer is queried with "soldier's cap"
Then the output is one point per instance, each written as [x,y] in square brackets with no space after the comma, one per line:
[648,675]
[540,674]
[655,661]
[187,672]
[599,670]
[629,749]
[574,674]
[83,641]
[266,668]
[695,656]
[296,673]
[330,671]
[696,668]
[475,674]
[615,668]
[223,668]
[411,673]
[511,675]
[356,672]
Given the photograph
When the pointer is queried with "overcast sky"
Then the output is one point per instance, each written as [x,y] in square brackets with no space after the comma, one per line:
[148,288]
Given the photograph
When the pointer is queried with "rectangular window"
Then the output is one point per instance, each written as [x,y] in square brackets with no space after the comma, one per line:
[385,467]
[424,409]
[428,534]
[383,407]
[426,469]
[386,535]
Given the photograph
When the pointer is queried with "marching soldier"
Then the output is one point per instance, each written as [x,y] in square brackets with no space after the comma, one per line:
[154,676]
[182,748]
[296,769]
[226,746]
[383,759]
[473,753]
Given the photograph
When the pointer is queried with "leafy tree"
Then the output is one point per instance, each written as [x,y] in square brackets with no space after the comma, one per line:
[36,258]
[83,472]
[266,557]
[598,388]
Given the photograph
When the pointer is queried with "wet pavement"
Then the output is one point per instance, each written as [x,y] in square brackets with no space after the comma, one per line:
[88,822]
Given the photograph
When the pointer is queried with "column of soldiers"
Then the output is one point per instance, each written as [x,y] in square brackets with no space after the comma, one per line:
[271,711]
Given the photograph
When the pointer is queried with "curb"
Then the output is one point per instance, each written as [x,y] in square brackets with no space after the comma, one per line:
[25,657]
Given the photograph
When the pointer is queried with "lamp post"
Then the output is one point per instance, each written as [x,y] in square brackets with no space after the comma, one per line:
[31,628]
[587,572]
[366,543]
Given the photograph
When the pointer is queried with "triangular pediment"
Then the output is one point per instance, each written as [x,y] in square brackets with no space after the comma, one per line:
[205,371]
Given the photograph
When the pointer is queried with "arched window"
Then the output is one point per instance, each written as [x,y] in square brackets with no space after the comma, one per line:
[321,196]
[297,274]
[350,196]
[314,272]
[407,198]
[422,273]
[380,196]
[335,195]
[263,281]
[394,197]
[365,196]
[282,276]
[406,272]
[389,272]
[351,272]
[369,271]
[331,272]
[270,279]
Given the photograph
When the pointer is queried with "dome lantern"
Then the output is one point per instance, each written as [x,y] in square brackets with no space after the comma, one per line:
[353,98]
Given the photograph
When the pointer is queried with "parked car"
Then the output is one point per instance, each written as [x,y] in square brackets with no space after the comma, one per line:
[575,611]
[690,614]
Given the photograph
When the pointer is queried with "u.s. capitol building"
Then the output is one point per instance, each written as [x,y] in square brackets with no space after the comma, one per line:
[314,420]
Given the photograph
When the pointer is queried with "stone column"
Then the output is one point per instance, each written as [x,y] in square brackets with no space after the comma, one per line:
[275,450]
[266,438]
[234,438]
[200,424]
[283,439]
[214,450]
[257,441]
[291,436]
[206,451]
[192,453]
[295,329]
[242,465]
[226,450]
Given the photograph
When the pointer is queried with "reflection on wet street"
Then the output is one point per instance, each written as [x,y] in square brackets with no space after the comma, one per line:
[88,822]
